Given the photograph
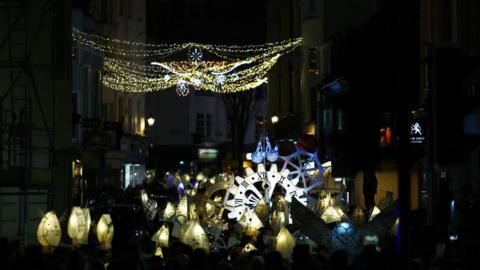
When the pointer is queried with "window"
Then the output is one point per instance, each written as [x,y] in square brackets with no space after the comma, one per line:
[129,115]
[258,127]
[200,123]
[204,125]
[327,119]
[120,109]
[340,121]
[121,7]
[139,116]
[208,126]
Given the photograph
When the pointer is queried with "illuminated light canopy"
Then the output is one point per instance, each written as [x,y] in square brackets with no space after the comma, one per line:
[228,68]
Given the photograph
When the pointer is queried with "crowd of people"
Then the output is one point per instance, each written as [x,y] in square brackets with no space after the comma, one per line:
[132,247]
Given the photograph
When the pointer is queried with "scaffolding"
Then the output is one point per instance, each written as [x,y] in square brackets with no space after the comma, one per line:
[27,111]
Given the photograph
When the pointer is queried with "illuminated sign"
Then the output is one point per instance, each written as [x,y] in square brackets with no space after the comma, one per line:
[207,154]
[417,133]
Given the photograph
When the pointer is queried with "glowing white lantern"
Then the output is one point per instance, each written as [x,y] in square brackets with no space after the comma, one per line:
[159,252]
[195,236]
[284,243]
[375,212]
[161,236]
[49,232]
[169,211]
[144,197]
[105,231]
[182,210]
[79,225]
[332,214]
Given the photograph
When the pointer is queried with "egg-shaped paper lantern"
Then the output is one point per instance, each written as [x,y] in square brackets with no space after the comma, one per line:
[49,232]
[79,225]
[195,236]
[105,231]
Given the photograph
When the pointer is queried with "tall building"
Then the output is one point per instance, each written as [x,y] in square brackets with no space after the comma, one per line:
[111,147]
[194,132]
[35,114]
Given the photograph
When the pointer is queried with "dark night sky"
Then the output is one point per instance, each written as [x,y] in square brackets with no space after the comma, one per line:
[207,21]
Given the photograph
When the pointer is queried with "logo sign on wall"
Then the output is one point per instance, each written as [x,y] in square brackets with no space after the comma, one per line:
[417,132]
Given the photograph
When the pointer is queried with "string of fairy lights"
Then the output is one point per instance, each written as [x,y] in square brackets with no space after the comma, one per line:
[141,67]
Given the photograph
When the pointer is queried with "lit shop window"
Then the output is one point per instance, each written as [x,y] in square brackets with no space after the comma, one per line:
[385,136]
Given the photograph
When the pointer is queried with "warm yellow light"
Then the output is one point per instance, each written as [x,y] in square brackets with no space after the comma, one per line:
[105,231]
[250,220]
[79,225]
[161,237]
[49,232]
[278,221]
[284,243]
[332,214]
[182,210]
[144,197]
[158,252]
[375,212]
[248,247]
[274,119]
[311,128]
[247,164]
[169,211]
[192,211]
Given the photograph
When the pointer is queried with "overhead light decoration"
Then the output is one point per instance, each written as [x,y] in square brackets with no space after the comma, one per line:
[196,55]
[232,68]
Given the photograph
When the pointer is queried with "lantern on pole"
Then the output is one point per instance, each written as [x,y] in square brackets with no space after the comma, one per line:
[105,231]
[79,225]
[49,232]
[169,211]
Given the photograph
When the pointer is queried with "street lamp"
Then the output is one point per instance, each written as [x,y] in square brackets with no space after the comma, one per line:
[274,119]
[150,120]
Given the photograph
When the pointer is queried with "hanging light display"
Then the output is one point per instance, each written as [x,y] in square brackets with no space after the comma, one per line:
[79,225]
[105,231]
[265,151]
[232,68]
[49,232]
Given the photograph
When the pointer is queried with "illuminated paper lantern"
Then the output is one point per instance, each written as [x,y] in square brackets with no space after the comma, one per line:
[195,236]
[375,212]
[159,252]
[278,221]
[332,214]
[169,211]
[105,231]
[161,236]
[79,225]
[182,210]
[49,232]
[143,197]
[284,243]
[248,247]
[192,212]
[251,224]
